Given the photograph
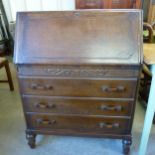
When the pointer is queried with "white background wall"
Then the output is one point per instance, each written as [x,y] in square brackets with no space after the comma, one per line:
[13,6]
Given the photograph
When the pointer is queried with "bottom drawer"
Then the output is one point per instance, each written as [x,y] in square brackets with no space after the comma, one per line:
[94,124]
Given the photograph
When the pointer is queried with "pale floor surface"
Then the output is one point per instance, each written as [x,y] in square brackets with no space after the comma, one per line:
[13,141]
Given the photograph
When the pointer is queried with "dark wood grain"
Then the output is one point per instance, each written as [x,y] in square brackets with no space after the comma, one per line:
[93,32]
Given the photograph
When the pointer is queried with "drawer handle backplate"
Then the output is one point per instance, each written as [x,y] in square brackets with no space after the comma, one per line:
[45,121]
[40,87]
[44,105]
[113,89]
[111,108]
[109,125]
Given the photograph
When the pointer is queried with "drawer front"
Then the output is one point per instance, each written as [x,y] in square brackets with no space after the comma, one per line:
[79,71]
[79,87]
[77,106]
[77,123]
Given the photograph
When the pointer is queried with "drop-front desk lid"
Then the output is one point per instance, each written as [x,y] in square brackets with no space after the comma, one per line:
[79,37]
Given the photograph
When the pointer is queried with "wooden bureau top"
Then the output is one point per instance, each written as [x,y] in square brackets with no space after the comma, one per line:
[79,37]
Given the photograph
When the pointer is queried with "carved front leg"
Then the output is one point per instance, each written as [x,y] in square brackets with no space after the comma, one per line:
[126,146]
[31,139]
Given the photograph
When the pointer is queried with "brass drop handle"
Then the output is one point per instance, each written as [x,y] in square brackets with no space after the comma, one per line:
[41,87]
[111,108]
[45,121]
[113,89]
[109,125]
[44,105]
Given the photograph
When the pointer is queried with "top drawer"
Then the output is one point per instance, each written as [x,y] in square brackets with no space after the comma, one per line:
[116,71]
[113,88]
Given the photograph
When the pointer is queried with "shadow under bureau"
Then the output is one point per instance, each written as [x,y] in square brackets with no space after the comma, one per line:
[79,71]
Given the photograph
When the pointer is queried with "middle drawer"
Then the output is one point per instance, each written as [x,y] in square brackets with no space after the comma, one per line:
[82,106]
[109,88]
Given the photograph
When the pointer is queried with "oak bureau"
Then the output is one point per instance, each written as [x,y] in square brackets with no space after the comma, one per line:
[79,71]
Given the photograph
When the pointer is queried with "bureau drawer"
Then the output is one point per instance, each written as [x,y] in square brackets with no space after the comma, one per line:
[113,88]
[77,123]
[82,106]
